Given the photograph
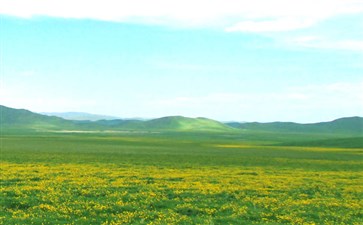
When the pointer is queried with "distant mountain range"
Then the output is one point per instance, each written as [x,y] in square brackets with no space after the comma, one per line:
[80,116]
[23,119]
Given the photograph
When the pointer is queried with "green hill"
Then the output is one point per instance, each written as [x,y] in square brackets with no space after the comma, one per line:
[186,124]
[24,119]
[348,125]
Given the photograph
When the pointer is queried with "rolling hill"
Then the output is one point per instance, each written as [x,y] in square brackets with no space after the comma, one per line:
[25,119]
[186,124]
[348,125]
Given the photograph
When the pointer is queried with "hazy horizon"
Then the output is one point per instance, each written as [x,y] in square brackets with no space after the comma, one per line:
[69,116]
[225,60]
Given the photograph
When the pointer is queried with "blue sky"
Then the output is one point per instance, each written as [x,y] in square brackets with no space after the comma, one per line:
[226,60]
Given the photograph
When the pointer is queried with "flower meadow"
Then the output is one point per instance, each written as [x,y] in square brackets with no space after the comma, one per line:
[209,184]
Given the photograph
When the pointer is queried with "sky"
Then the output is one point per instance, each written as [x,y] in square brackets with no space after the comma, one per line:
[229,60]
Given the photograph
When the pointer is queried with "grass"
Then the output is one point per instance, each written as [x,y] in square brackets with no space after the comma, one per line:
[351,142]
[179,178]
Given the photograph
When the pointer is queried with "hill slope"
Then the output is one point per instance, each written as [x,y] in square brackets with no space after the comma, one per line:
[25,119]
[186,124]
[348,125]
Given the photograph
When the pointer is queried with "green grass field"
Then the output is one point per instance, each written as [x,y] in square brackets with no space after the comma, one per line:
[180,178]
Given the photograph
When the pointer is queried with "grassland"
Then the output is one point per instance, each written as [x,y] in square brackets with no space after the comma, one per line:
[179,178]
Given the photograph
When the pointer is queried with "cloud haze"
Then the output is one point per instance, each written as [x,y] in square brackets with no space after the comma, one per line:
[335,100]
[232,15]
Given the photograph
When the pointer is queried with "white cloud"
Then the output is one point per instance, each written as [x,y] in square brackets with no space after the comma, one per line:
[320,42]
[271,18]
[280,24]
[347,90]
[305,40]
[233,15]
[348,45]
